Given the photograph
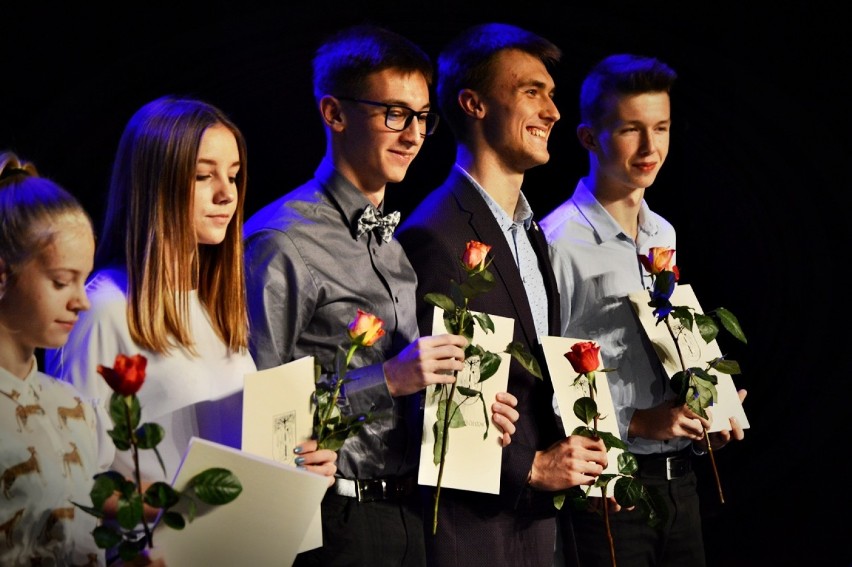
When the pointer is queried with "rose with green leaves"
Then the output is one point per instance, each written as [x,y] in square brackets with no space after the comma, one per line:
[214,486]
[332,427]
[694,386]
[460,320]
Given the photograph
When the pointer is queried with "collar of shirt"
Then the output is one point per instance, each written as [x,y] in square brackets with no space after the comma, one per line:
[605,227]
[348,198]
[523,211]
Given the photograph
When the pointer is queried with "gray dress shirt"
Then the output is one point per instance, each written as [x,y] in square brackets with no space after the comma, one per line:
[307,275]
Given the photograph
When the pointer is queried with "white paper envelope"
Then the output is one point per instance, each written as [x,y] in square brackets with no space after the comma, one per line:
[563,375]
[471,462]
[264,526]
[695,353]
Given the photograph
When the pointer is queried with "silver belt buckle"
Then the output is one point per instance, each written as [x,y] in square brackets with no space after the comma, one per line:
[669,461]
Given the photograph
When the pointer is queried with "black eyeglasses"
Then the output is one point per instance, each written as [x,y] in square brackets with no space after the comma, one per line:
[399,117]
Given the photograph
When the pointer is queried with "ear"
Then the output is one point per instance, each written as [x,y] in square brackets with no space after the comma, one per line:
[587,137]
[471,103]
[331,112]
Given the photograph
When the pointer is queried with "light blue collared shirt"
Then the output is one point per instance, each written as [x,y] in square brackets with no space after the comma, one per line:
[597,267]
[522,250]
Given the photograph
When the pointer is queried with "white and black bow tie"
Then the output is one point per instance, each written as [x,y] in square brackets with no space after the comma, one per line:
[372,219]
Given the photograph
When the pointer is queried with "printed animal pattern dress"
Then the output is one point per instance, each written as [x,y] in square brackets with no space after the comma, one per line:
[48,457]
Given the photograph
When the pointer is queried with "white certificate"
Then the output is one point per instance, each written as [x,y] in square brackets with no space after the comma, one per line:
[265,525]
[277,415]
[563,375]
[696,353]
[471,462]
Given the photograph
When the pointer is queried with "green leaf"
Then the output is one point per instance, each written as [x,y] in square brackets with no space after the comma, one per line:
[627,463]
[707,327]
[216,486]
[679,383]
[161,495]
[585,409]
[106,537]
[489,362]
[725,366]
[457,295]
[559,500]
[627,491]
[731,324]
[174,520]
[525,359]
[129,510]
[440,300]
[149,435]
[105,485]
[485,322]
[611,440]
[120,436]
[456,416]
[477,284]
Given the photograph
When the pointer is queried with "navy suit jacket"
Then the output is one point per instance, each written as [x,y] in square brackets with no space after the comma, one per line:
[434,237]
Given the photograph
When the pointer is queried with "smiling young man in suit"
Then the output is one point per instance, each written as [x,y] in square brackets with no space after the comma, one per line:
[496,93]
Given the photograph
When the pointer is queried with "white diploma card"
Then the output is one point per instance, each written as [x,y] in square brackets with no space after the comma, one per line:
[696,353]
[563,376]
[264,525]
[277,415]
[471,462]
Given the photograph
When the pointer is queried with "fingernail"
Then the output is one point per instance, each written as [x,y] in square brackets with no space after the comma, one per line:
[300,460]
[297,450]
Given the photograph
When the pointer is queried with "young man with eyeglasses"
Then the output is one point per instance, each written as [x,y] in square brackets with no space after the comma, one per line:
[321,252]
[496,92]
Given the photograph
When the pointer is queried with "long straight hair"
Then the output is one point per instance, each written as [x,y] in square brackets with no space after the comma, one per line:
[148,229]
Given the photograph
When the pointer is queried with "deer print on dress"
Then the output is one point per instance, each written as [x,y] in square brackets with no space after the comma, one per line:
[76,412]
[22,413]
[72,457]
[8,527]
[12,473]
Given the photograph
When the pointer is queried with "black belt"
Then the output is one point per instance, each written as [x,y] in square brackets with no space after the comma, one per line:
[374,489]
[665,465]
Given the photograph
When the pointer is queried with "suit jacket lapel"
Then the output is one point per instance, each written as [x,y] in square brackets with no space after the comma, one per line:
[487,230]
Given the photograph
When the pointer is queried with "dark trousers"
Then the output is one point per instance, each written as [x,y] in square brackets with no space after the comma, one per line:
[677,543]
[385,533]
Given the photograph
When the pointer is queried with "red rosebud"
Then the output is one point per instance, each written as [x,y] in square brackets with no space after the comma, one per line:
[474,255]
[368,325]
[660,259]
[128,374]
[584,357]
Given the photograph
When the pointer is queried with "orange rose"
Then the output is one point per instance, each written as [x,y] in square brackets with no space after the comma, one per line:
[128,374]
[660,259]
[366,329]
[474,255]
[583,357]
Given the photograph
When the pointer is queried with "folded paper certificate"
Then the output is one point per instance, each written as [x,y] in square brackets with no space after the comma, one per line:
[471,462]
[265,525]
[563,375]
[277,415]
[695,353]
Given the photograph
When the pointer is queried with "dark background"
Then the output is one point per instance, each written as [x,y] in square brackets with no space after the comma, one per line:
[752,183]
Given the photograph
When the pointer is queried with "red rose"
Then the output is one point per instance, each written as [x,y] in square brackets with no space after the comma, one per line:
[474,255]
[128,374]
[369,326]
[584,357]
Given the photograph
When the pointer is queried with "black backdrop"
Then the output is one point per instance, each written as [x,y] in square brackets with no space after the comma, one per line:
[753,182]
